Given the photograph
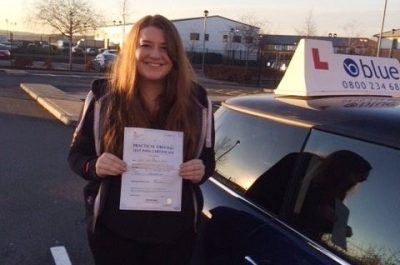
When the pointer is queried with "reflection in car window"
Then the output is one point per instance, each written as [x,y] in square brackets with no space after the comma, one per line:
[276,185]
[372,229]
[248,146]
[322,207]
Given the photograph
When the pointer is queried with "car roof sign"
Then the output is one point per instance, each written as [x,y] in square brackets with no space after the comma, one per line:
[315,70]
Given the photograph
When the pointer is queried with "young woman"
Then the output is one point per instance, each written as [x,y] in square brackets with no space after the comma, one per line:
[150,86]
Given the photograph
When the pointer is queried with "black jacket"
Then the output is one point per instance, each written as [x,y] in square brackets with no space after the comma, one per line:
[139,225]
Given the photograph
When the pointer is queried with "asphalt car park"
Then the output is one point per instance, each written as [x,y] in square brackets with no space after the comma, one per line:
[309,174]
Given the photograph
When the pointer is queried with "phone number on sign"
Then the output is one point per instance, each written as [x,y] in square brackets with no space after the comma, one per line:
[370,85]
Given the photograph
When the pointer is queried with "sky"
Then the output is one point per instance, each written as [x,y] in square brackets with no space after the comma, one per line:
[356,18]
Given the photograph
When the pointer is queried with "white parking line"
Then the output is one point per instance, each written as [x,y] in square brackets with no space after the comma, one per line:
[66,75]
[60,255]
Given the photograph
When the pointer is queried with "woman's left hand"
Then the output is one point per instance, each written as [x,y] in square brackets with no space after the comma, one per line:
[192,170]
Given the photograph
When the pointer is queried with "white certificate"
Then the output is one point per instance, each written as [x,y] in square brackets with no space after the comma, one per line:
[152,181]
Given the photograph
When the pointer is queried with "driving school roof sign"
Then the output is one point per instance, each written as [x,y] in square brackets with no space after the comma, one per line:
[315,70]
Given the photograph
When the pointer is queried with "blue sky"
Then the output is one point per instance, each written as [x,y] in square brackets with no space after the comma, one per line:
[343,17]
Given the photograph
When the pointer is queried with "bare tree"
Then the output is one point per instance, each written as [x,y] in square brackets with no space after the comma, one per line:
[351,30]
[254,21]
[250,33]
[69,17]
[310,27]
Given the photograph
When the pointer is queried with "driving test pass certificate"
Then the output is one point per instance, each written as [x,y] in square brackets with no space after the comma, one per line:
[152,181]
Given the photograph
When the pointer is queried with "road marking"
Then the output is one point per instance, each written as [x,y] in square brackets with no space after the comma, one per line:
[67,75]
[234,92]
[16,72]
[60,255]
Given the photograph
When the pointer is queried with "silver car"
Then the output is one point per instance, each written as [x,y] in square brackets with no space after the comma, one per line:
[103,61]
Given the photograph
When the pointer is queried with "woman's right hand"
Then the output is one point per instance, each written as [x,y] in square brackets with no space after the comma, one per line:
[109,165]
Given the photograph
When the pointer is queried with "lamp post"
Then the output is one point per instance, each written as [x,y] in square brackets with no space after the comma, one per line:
[10,29]
[231,34]
[391,46]
[260,59]
[124,11]
[204,40]
[49,49]
[378,52]
[84,52]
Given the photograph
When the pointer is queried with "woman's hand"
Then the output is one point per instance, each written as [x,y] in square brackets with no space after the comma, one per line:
[192,170]
[109,165]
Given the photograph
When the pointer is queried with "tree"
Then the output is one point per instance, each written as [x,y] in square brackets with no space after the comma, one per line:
[353,33]
[310,28]
[69,17]
[250,34]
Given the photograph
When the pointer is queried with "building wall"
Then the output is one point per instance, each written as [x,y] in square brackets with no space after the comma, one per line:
[216,27]
[387,43]
[112,35]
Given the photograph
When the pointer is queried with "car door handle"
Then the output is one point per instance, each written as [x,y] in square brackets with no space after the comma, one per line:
[249,261]
[252,261]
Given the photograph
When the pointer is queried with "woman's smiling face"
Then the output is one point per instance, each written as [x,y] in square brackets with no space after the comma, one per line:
[153,62]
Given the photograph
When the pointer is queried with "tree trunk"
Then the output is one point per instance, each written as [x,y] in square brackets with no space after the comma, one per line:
[70,53]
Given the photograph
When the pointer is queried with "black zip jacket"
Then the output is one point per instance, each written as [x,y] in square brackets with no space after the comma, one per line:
[102,194]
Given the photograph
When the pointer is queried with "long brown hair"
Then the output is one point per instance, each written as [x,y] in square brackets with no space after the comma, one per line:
[337,171]
[176,103]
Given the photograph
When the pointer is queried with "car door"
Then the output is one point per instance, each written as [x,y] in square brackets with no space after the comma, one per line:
[365,228]
[240,228]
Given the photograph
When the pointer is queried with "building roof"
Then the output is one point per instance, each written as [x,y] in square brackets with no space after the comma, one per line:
[186,19]
[389,34]
[216,16]
[294,39]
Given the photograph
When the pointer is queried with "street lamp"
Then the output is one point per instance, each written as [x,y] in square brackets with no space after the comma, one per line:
[234,33]
[204,39]
[260,60]
[391,46]
[9,28]
[84,51]
[231,34]
[378,52]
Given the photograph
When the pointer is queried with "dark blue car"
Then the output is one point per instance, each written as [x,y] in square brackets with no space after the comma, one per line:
[306,179]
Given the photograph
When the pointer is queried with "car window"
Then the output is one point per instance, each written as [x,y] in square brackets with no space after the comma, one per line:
[350,209]
[109,56]
[247,146]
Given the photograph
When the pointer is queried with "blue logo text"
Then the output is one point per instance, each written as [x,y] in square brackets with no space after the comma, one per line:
[368,69]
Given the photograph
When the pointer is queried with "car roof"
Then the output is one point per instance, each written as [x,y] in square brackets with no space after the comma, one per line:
[112,51]
[371,118]
[3,46]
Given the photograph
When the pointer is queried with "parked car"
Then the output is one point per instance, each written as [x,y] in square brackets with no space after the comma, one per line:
[91,51]
[63,45]
[5,53]
[78,50]
[309,174]
[102,61]
[114,51]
